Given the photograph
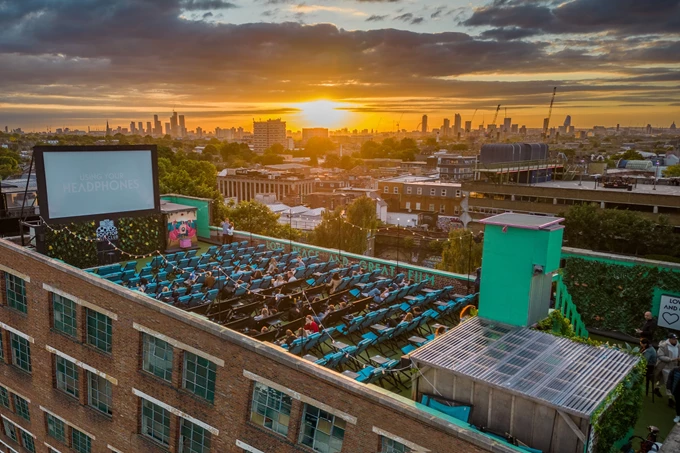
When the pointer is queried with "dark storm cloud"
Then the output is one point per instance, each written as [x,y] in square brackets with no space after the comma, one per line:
[509,34]
[581,16]
[376,18]
[143,50]
[193,5]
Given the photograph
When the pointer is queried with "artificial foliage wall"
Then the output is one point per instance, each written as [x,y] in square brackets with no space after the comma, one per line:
[614,297]
[77,245]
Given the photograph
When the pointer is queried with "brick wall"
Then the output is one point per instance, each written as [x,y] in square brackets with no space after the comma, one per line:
[230,411]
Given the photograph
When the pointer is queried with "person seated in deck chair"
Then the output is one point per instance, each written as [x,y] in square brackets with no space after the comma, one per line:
[290,276]
[273,266]
[319,319]
[378,296]
[209,281]
[334,283]
[279,281]
[288,339]
[311,325]
[408,317]
[263,314]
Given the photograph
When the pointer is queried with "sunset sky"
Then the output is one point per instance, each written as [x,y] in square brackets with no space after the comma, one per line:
[338,63]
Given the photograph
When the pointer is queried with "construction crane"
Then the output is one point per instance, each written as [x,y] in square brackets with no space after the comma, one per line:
[495,117]
[546,122]
[472,121]
[402,115]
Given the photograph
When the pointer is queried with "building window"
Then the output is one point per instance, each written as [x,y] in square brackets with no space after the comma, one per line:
[456,210]
[443,192]
[433,191]
[408,190]
[2,347]
[27,441]
[442,208]
[396,190]
[271,409]
[417,206]
[392,446]
[408,205]
[155,423]
[386,189]
[67,376]
[419,191]
[99,330]
[431,207]
[199,376]
[193,438]
[64,312]
[16,292]
[157,357]
[80,442]
[99,393]
[21,407]
[457,193]
[4,397]
[322,431]
[56,428]
[21,352]
[10,429]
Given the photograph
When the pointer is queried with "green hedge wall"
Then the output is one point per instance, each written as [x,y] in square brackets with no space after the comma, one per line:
[614,297]
[139,236]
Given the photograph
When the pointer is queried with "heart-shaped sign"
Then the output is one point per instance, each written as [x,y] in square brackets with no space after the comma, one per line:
[671,318]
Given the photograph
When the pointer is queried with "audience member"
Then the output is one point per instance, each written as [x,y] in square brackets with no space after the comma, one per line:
[311,325]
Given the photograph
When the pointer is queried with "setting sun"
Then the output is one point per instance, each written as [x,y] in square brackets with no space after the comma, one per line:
[323,113]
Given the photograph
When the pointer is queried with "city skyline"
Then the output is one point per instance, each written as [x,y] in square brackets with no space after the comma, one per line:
[352,63]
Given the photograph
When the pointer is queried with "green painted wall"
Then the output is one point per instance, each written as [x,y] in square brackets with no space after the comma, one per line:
[508,270]
[203,213]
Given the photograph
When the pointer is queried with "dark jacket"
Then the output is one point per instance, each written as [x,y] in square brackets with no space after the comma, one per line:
[673,382]
[648,329]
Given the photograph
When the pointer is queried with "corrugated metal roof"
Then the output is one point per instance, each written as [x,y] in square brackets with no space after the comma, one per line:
[563,374]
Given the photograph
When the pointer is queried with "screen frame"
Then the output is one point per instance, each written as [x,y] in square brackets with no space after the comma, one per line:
[43,200]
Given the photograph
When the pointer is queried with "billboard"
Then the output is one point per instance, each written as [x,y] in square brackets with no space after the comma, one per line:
[93,182]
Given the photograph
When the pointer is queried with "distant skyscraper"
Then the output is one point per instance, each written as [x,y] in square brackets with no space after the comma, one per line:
[108,129]
[523,130]
[149,131]
[167,129]
[267,133]
[174,131]
[673,126]
[133,129]
[457,123]
[424,125]
[507,125]
[319,132]
[514,128]
[157,128]
[446,127]
[140,127]
[567,121]
[648,129]
[468,126]
[182,126]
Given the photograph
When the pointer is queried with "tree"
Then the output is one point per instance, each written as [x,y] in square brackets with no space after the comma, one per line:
[631,154]
[350,233]
[672,172]
[255,217]
[9,163]
[318,146]
[462,254]
[211,150]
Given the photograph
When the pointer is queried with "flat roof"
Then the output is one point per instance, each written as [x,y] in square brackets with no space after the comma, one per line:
[168,206]
[554,371]
[647,189]
[435,183]
[524,221]
[408,178]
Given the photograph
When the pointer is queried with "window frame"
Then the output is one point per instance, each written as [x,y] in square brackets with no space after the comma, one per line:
[99,399]
[211,368]
[13,436]
[193,430]
[395,190]
[431,207]
[84,441]
[21,407]
[315,429]
[67,382]
[386,189]
[27,439]
[443,192]
[21,343]
[392,446]
[408,190]
[62,326]
[152,423]
[54,426]
[433,192]
[419,191]
[93,332]
[16,300]
[279,399]
[4,398]
[149,348]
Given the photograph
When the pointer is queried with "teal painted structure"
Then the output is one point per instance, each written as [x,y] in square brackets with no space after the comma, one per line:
[203,213]
[521,253]
[566,306]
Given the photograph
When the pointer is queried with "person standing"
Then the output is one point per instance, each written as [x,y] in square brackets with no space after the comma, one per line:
[673,386]
[648,327]
[649,353]
[667,359]
[225,231]
[230,233]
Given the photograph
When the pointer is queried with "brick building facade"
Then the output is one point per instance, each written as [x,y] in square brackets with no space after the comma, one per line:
[89,366]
